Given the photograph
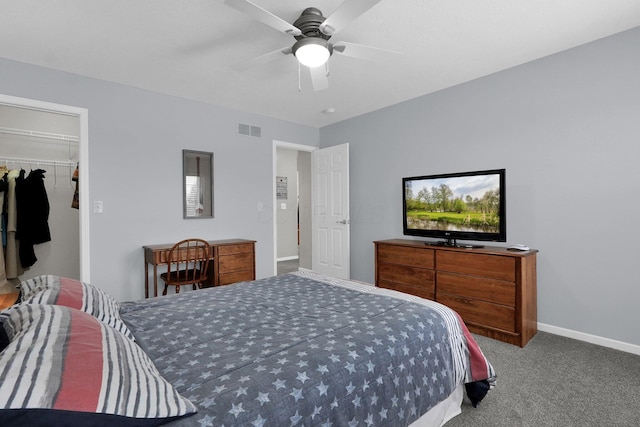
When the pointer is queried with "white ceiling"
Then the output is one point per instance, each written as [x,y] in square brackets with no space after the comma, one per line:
[187,48]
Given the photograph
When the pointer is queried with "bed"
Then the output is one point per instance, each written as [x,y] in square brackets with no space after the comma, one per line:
[299,349]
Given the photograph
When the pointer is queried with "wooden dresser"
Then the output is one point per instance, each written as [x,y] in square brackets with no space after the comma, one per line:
[492,288]
[232,260]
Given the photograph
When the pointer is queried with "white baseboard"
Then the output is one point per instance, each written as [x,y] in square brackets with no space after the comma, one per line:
[287,258]
[593,339]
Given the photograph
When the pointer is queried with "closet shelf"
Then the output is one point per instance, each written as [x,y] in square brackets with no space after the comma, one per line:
[38,162]
[52,137]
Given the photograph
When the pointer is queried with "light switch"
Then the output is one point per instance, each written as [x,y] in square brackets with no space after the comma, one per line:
[283,206]
[98,207]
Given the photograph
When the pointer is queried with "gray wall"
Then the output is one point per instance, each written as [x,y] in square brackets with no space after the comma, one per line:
[567,129]
[136,139]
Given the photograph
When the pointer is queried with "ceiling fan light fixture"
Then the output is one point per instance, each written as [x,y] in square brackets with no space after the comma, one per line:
[312,52]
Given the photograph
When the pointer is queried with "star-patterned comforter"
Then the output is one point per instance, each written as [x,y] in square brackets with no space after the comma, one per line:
[303,349]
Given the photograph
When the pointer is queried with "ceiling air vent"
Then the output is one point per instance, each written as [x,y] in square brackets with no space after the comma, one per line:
[249,130]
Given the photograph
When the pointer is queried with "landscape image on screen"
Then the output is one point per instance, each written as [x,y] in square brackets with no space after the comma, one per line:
[465,203]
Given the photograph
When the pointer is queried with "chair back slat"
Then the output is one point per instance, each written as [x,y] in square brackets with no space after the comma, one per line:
[188,262]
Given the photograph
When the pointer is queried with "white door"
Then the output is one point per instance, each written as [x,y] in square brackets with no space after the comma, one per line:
[330,211]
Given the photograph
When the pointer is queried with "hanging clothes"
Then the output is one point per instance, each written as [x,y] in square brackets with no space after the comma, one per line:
[75,202]
[12,261]
[4,186]
[33,214]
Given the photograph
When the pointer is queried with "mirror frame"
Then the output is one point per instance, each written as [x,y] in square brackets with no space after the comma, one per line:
[202,163]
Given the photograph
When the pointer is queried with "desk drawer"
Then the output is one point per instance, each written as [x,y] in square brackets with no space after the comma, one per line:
[162,257]
[235,262]
[235,249]
[237,276]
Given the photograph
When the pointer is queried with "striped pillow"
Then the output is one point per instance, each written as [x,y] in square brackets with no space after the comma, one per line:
[64,367]
[49,289]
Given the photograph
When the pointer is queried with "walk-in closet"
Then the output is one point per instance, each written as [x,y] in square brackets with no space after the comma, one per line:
[41,145]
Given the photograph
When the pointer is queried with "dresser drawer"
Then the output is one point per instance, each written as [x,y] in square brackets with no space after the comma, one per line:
[481,312]
[420,291]
[406,275]
[491,266]
[423,258]
[474,287]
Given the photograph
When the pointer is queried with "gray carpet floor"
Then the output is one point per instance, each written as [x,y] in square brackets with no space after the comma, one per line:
[557,381]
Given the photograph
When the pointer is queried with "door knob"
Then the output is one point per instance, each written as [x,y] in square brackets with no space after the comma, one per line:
[344,221]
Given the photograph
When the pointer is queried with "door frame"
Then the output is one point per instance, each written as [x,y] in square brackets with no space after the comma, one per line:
[292,146]
[83,154]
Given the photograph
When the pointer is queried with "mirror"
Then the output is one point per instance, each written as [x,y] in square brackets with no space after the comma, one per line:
[197,184]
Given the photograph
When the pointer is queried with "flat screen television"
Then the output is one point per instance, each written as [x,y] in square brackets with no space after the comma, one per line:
[456,206]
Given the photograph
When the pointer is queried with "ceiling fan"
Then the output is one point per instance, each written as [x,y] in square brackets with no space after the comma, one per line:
[313,32]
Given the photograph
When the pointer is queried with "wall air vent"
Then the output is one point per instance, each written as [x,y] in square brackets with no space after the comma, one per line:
[249,130]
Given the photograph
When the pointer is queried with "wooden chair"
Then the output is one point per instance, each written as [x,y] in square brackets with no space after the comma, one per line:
[187,264]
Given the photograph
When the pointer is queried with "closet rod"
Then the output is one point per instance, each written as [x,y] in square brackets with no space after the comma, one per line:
[39,162]
[56,137]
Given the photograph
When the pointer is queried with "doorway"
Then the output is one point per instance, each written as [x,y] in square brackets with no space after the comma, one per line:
[325,242]
[292,207]
[81,121]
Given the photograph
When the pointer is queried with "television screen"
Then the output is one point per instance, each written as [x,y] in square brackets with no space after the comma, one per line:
[466,206]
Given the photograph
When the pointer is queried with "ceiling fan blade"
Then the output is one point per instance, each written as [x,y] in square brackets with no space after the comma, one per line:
[264,16]
[368,53]
[348,11]
[319,78]
[262,59]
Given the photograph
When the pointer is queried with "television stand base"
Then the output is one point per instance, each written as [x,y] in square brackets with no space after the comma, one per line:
[452,243]
[493,289]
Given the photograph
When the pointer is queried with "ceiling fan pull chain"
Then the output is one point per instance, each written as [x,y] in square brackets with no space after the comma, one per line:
[299,84]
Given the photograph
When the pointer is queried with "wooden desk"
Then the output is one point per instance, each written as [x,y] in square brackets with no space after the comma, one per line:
[232,260]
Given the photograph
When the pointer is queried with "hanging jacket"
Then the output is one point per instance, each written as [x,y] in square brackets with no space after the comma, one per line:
[33,214]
